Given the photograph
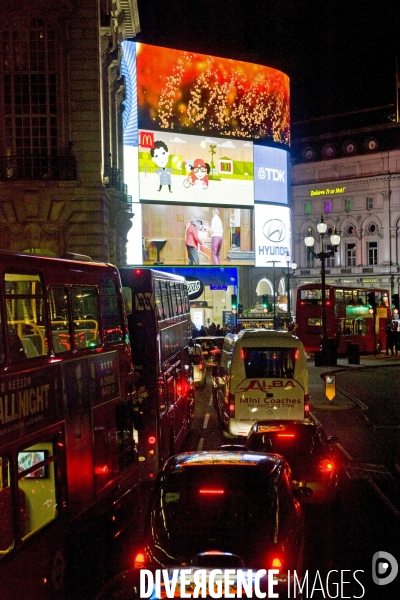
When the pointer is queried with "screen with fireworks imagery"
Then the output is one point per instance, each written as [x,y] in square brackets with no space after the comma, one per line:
[196,94]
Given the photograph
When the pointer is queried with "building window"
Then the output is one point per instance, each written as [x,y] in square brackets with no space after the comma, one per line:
[307,208]
[309,259]
[328,206]
[348,204]
[350,230]
[372,228]
[351,255]
[330,262]
[372,251]
[370,203]
[28,110]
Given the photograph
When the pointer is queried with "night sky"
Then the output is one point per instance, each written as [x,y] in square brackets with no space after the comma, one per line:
[340,55]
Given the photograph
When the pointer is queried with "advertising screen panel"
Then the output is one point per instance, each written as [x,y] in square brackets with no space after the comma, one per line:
[159,234]
[273,235]
[195,169]
[271,175]
[198,94]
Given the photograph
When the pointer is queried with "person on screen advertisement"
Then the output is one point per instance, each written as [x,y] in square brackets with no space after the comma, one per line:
[192,242]
[160,156]
[216,233]
[199,175]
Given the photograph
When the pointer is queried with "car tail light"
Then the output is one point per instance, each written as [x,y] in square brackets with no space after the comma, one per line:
[231,406]
[285,435]
[139,560]
[276,563]
[201,366]
[306,406]
[296,354]
[212,491]
[326,466]
[151,442]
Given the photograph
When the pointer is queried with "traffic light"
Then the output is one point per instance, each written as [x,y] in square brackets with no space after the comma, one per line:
[395,305]
[265,303]
[234,304]
[240,308]
[372,301]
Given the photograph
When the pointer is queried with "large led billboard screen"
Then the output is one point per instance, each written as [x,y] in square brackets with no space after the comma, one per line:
[271,175]
[198,94]
[195,169]
[273,235]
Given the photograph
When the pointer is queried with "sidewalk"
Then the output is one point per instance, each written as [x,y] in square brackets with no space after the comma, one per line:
[316,375]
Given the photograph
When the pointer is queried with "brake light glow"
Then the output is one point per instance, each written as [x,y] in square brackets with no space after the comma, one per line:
[211,491]
[231,406]
[201,366]
[139,560]
[326,466]
[286,435]
[296,354]
[276,563]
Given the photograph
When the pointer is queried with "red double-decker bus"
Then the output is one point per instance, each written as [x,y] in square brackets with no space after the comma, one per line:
[353,316]
[68,460]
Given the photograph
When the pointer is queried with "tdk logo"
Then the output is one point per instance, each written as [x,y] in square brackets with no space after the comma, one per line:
[271,174]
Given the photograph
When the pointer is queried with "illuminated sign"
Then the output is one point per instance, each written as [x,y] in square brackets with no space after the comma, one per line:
[272,235]
[271,175]
[198,94]
[328,191]
[195,169]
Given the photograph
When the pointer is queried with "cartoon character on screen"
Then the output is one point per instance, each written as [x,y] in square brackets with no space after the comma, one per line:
[199,175]
[160,156]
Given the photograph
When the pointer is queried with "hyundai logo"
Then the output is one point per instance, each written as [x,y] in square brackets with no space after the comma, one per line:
[274,230]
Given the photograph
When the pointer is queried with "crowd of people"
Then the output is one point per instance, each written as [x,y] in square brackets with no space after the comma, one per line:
[214,330]
[392,338]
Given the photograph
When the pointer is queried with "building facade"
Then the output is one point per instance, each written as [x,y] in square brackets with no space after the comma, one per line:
[61,152]
[352,180]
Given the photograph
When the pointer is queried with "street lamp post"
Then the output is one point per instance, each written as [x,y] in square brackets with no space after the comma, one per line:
[322,256]
[273,277]
[290,270]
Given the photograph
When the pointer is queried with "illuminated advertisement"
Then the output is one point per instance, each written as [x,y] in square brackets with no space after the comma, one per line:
[271,175]
[159,235]
[195,169]
[198,94]
[273,235]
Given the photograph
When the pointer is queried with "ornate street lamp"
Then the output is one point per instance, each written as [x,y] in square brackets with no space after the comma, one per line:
[322,256]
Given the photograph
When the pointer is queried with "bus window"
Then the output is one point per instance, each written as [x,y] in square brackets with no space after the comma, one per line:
[165,295]
[111,312]
[26,316]
[361,327]
[158,300]
[128,301]
[86,317]
[176,299]
[60,319]
[37,487]
[6,527]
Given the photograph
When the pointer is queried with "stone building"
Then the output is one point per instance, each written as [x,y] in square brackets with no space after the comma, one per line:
[61,153]
[352,179]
